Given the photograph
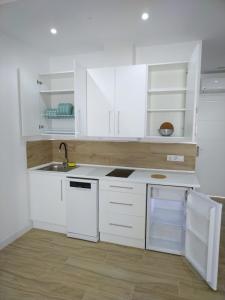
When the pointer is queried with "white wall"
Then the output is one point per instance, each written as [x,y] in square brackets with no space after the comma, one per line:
[211,140]
[213,55]
[110,56]
[125,55]
[165,53]
[14,206]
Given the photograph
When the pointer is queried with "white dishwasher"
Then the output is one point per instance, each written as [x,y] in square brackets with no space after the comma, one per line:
[82,209]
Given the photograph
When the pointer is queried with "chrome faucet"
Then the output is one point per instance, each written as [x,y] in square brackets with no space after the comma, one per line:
[65,163]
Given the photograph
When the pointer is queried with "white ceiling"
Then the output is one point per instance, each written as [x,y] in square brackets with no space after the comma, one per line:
[87,25]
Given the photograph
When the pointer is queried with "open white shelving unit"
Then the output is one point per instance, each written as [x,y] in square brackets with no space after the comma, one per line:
[56,88]
[168,99]
[166,220]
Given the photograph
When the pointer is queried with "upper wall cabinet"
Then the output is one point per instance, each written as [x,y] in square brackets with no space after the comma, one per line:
[167,88]
[125,102]
[116,101]
[134,101]
[173,90]
[48,105]
[57,103]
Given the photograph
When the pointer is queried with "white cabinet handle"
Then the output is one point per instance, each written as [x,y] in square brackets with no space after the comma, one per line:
[78,122]
[118,122]
[122,187]
[121,203]
[61,190]
[120,225]
[109,121]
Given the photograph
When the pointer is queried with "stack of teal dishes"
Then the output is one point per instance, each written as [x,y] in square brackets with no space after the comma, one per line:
[51,113]
[65,109]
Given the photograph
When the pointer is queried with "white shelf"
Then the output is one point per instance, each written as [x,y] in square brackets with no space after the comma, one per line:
[212,91]
[170,139]
[57,117]
[58,132]
[49,92]
[168,216]
[168,110]
[61,73]
[169,90]
[170,64]
[165,246]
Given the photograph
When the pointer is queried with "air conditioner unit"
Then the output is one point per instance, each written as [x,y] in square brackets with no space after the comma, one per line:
[213,83]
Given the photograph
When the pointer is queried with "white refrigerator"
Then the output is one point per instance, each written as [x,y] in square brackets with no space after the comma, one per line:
[184,222]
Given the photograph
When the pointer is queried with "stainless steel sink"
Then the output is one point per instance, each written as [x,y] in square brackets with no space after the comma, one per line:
[57,168]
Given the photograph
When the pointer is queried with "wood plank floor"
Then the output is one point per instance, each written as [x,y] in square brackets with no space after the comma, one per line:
[43,265]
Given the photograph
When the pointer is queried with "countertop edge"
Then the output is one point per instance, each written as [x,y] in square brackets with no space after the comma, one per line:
[135,180]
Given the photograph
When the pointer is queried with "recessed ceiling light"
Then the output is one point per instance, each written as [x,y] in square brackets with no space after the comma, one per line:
[53,31]
[145,16]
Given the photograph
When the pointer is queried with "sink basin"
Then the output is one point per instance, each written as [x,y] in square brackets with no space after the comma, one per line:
[57,168]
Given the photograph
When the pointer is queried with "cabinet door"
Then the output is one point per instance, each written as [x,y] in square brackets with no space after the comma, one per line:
[203,221]
[100,102]
[29,103]
[131,93]
[193,91]
[80,104]
[47,198]
[166,219]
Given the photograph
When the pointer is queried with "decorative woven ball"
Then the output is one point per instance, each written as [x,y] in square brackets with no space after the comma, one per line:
[167,125]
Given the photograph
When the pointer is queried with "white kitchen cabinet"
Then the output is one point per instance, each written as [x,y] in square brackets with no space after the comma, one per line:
[173,92]
[39,93]
[29,103]
[100,102]
[47,201]
[122,208]
[182,221]
[130,100]
[116,101]
[80,103]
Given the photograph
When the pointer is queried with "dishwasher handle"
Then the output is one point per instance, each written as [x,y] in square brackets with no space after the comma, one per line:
[80,185]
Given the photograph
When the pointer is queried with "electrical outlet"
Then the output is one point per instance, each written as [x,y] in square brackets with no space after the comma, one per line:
[179,158]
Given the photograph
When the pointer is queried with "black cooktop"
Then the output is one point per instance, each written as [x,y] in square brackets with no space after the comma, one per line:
[120,173]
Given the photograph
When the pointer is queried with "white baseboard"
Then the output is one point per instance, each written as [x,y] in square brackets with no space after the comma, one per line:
[49,227]
[121,240]
[83,237]
[15,236]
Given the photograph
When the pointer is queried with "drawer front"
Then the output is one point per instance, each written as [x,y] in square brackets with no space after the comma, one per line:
[122,186]
[122,203]
[123,225]
[168,193]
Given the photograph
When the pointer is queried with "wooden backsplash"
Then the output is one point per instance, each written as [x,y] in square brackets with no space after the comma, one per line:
[127,154]
[38,153]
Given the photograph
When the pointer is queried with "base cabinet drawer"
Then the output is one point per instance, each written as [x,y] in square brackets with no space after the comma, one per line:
[122,203]
[123,225]
[122,211]
[122,186]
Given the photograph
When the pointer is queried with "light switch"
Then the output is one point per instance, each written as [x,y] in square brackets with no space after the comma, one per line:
[179,158]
